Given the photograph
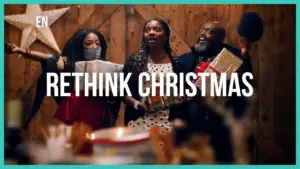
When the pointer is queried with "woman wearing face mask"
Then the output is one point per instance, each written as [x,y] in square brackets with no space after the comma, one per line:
[84,45]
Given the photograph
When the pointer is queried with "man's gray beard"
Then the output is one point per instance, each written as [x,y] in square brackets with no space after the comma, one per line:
[203,49]
[200,48]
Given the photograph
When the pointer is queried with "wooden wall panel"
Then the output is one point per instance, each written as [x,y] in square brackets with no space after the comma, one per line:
[176,42]
[273,57]
[234,11]
[84,12]
[118,35]
[105,31]
[222,13]
[101,13]
[266,72]
[192,15]
[13,85]
[284,94]
[171,13]
[255,69]
[134,35]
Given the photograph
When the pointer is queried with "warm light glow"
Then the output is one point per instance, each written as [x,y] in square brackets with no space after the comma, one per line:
[119,132]
[92,136]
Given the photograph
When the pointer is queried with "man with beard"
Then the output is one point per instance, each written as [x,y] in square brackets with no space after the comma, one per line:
[210,44]
[198,116]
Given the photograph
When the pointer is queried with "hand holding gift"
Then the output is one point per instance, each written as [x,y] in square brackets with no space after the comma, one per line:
[158,102]
[225,62]
[98,66]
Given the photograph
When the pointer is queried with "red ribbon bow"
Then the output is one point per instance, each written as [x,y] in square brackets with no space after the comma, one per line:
[203,66]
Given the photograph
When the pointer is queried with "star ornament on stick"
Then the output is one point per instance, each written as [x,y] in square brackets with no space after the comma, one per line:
[35,24]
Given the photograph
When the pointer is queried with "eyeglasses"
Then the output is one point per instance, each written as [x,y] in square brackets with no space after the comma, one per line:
[207,30]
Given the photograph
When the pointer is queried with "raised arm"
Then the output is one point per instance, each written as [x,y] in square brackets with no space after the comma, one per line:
[35,55]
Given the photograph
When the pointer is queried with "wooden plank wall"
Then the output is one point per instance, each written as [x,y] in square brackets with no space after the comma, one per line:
[273,57]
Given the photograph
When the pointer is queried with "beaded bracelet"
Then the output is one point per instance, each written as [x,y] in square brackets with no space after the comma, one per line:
[27,52]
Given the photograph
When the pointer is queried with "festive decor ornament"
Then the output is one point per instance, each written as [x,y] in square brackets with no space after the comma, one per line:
[35,24]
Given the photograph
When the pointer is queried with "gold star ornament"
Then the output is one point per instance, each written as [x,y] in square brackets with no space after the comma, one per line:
[35,24]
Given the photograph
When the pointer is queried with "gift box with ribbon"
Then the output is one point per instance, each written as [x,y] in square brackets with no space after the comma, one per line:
[225,62]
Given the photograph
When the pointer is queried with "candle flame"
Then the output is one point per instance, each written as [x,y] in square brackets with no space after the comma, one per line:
[92,136]
[120,132]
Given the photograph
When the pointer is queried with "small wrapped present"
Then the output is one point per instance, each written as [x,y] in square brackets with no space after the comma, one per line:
[96,66]
[155,102]
[158,102]
[225,62]
[172,99]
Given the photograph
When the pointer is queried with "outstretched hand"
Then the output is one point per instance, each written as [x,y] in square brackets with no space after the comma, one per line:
[12,48]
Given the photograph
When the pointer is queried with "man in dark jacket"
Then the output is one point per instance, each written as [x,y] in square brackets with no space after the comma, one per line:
[199,116]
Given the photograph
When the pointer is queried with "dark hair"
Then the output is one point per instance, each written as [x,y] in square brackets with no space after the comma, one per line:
[73,49]
[137,62]
[167,32]
[251,26]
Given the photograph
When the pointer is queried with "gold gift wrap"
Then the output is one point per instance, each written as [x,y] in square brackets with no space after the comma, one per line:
[158,102]
[225,62]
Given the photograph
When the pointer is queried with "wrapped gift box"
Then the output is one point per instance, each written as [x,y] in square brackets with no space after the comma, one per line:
[97,66]
[225,62]
[161,102]
[155,102]
[172,99]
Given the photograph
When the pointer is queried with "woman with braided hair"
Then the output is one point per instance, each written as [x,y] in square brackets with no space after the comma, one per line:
[84,45]
[154,56]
